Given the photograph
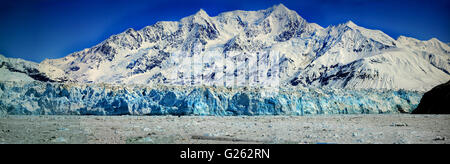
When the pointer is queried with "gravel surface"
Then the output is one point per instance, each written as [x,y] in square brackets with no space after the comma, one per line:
[319,129]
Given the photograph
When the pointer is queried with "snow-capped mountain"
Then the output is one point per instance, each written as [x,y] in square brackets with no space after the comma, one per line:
[271,47]
[356,57]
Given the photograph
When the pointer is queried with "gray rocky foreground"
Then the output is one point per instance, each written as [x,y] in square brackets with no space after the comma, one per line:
[311,129]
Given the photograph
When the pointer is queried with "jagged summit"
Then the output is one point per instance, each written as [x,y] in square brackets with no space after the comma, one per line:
[128,30]
[201,13]
[200,17]
[281,11]
[268,47]
[279,8]
[351,24]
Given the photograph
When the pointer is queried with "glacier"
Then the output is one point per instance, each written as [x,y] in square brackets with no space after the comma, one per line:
[46,98]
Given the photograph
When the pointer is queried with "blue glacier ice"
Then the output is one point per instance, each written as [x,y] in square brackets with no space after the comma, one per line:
[40,98]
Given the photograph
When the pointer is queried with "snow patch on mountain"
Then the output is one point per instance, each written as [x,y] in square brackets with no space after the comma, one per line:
[14,69]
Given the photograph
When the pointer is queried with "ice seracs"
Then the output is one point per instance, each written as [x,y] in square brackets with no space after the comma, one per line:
[39,98]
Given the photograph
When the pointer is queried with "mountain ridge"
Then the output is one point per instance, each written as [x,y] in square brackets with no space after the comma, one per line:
[269,47]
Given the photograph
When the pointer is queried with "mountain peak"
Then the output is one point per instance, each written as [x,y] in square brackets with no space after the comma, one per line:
[280,8]
[402,38]
[128,30]
[199,17]
[201,13]
[351,24]
[434,39]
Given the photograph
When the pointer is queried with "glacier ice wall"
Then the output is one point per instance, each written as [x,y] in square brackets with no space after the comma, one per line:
[39,98]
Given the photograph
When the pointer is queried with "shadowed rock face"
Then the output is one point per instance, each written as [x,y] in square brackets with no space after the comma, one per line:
[435,101]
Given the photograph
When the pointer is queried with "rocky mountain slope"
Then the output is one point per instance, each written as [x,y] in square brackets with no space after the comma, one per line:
[12,69]
[435,101]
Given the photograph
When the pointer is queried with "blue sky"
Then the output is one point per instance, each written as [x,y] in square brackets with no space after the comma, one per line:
[39,29]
